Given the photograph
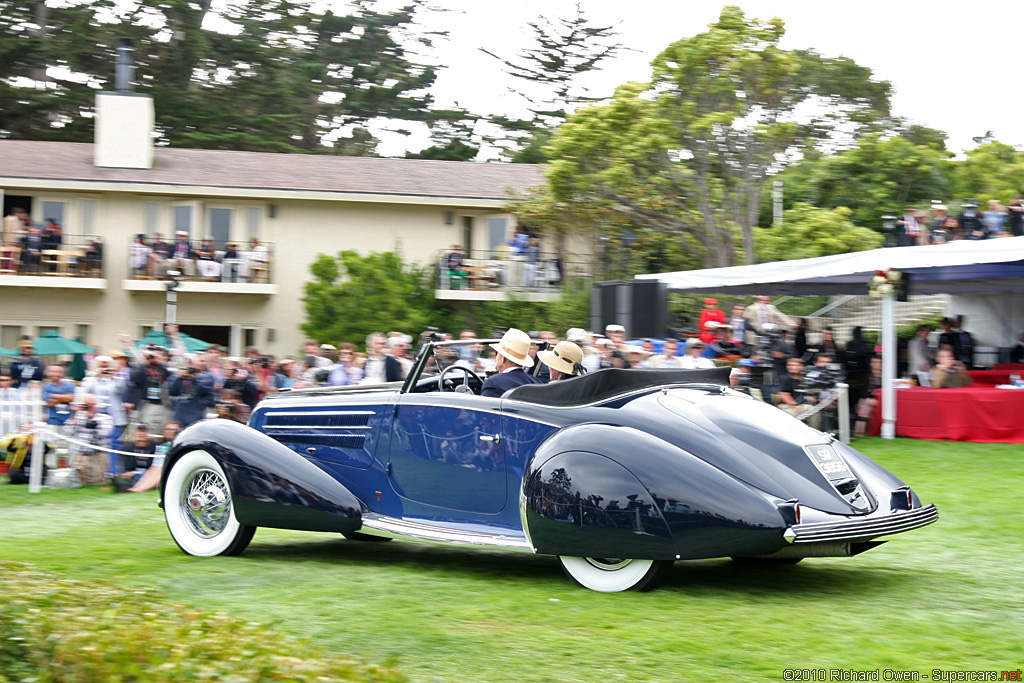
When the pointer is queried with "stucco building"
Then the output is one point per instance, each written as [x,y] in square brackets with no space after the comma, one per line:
[297,205]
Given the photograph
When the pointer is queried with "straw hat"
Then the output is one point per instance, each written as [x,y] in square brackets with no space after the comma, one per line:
[515,345]
[566,357]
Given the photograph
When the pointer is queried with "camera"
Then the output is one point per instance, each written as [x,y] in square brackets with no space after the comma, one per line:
[822,378]
[90,424]
[191,370]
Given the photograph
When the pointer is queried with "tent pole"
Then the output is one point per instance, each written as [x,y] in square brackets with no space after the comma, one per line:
[889,352]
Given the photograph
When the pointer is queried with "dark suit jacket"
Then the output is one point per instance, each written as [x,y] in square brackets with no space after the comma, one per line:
[498,384]
[392,369]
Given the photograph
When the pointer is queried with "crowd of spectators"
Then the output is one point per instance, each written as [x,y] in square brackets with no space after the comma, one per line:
[182,258]
[26,244]
[938,225]
[135,398]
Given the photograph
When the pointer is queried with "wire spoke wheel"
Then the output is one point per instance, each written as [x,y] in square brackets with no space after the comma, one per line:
[199,508]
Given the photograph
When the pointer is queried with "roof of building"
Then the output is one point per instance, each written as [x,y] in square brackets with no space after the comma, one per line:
[261,170]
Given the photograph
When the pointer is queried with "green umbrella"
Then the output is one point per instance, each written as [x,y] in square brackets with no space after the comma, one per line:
[192,345]
[8,353]
[76,370]
[50,343]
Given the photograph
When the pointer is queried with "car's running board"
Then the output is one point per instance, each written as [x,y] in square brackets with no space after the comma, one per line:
[401,527]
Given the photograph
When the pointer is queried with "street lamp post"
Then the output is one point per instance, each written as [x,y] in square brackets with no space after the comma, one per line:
[171,308]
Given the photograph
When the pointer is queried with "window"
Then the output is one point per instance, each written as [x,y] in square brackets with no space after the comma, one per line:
[218,225]
[467,233]
[87,220]
[9,336]
[151,218]
[248,337]
[252,221]
[181,217]
[82,333]
[496,231]
[52,210]
[47,328]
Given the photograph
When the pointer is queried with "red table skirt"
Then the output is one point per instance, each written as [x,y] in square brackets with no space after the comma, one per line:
[982,414]
[1012,367]
[993,377]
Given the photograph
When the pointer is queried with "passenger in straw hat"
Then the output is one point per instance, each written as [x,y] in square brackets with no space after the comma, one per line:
[513,354]
[564,360]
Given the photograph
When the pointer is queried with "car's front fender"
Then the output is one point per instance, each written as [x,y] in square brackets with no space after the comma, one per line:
[271,485]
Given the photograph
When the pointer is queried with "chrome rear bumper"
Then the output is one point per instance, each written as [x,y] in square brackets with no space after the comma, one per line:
[862,529]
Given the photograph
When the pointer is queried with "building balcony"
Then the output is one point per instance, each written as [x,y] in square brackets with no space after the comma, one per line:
[497,276]
[202,267]
[59,265]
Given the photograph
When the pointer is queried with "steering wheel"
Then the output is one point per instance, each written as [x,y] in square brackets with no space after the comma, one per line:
[463,388]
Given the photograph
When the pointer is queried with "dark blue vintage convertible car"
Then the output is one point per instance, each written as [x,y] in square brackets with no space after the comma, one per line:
[618,473]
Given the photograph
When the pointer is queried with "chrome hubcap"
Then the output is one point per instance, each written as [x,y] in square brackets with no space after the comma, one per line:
[206,503]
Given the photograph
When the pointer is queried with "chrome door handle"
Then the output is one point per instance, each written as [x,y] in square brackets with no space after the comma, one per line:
[487,437]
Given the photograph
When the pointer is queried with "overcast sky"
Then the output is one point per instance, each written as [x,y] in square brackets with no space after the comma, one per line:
[953,65]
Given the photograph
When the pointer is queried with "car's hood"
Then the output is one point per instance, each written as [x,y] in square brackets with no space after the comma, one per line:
[758,444]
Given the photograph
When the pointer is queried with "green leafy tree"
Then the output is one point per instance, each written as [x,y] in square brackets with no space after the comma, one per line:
[351,296]
[808,231]
[689,153]
[879,174]
[549,72]
[283,76]
[992,170]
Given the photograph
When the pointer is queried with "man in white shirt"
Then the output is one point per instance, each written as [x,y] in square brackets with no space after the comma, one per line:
[668,357]
[693,358]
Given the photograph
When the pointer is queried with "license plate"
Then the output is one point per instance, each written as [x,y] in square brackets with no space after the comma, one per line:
[829,463]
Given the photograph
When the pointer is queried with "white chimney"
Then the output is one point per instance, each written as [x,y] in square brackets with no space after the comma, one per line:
[124,119]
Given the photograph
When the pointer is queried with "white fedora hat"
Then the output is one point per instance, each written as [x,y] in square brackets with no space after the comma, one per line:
[515,345]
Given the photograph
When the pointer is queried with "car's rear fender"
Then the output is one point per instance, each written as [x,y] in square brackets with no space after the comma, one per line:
[684,508]
[271,485]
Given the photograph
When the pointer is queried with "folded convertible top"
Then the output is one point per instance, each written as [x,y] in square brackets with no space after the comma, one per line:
[603,384]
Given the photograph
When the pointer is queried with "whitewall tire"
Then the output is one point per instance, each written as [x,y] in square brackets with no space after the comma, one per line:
[199,508]
[614,575]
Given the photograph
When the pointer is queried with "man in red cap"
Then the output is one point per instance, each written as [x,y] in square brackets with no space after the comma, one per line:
[711,313]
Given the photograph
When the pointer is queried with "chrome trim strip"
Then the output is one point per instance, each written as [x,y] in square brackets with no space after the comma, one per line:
[274,428]
[862,529]
[433,533]
[310,413]
[494,411]
[626,394]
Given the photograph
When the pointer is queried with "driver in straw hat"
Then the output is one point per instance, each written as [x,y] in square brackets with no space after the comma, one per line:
[565,360]
[513,354]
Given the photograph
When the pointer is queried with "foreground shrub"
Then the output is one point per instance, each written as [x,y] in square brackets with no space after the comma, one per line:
[54,629]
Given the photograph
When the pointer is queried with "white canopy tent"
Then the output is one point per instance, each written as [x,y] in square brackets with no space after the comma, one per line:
[978,267]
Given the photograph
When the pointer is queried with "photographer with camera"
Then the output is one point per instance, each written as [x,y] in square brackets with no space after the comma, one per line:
[231,407]
[146,389]
[92,426]
[112,398]
[949,372]
[192,391]
[239,375]
[820,382]
[792,395]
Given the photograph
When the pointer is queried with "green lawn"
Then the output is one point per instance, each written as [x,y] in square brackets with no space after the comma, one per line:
[949,596]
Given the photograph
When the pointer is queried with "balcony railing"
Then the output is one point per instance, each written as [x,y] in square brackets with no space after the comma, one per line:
[503,271]
[49,258]
[200,261]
